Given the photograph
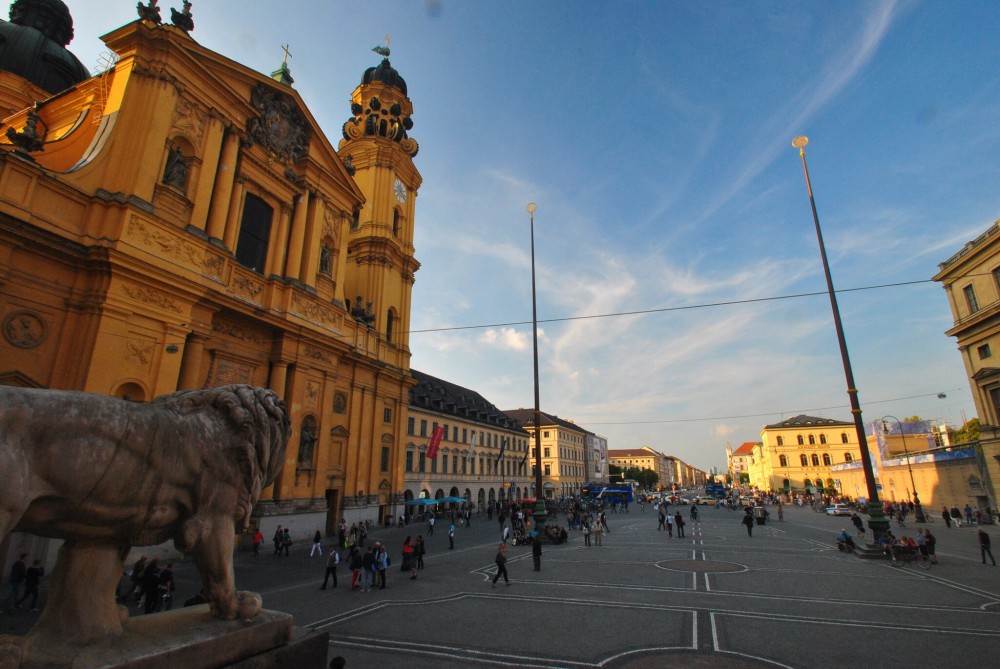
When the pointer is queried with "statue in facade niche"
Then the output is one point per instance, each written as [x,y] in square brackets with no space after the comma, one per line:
[176,171]
[104,475]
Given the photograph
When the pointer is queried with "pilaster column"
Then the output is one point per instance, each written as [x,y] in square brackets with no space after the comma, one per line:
[233,219]
[293,268]
[194,349]
[276,260]
[224,177]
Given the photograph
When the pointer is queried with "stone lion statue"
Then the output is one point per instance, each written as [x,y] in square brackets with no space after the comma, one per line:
[105,474]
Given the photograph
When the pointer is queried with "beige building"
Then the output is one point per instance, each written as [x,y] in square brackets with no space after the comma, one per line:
[564,454]
[971,280]
[482,455]
[796,455]
[639,458]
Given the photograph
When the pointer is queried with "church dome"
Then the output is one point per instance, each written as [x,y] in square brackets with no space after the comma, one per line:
[386,74]
[33,45]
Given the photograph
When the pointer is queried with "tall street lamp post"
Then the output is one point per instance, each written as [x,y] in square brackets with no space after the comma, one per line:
[918,511]
[876,519]
[539,492]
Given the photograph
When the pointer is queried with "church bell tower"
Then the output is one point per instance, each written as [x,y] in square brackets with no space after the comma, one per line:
[379,152]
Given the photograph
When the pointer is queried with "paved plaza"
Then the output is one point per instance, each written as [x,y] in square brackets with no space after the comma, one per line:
[784,597]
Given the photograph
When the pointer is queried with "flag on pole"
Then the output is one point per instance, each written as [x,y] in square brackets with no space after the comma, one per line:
[472,445]
[524,461]
[503,445]
[432,448]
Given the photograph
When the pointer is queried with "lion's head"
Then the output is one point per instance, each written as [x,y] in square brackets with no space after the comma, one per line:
[259,425]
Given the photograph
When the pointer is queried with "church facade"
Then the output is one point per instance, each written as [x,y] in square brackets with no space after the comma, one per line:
[181,221]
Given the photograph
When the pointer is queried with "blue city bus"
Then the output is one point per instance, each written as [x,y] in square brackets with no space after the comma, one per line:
[607,493]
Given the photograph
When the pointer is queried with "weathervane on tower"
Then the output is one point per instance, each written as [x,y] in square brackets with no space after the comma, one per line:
[383,50]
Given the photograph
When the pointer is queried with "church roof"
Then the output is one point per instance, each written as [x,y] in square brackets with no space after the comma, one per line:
[746,448]
[385,73]
[33,45]
[442,396]
[803,421]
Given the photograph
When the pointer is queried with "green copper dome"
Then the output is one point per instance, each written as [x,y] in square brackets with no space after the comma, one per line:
[33,45]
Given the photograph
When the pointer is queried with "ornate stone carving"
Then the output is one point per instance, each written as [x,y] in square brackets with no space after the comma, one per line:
[316,312]
[316,353]
[164,244]
[339,403]
[150,296]
[238,331]
[280,129]
[312,393]
[24,329]
[138,353]
[149,12]
[186,467]
[190,119]
[182,19]
[247,287]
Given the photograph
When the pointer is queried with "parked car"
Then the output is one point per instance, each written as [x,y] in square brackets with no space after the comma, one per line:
[838,510]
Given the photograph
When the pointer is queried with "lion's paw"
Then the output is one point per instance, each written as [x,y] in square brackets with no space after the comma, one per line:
[248,604]
[11,652]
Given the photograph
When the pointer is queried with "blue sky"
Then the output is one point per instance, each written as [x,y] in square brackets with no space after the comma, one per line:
[655,138]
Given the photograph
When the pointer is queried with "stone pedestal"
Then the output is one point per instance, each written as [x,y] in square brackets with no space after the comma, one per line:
[189,638]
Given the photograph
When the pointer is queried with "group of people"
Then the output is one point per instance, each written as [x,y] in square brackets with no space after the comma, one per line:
[971,516]
[667,521]
[23,577]
[151,587]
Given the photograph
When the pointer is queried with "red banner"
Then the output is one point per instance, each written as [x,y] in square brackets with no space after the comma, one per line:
[432,448]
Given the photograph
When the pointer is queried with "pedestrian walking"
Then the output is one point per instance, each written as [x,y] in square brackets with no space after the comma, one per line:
[32,579]
[409,558]
[451,536]
[151,586]
[430,524]
[279,538]
[355,562]
[419,550]
[598,534]
[931,542]
[679,522]
[501,560]
[332,560]
[286,540]
[781,513]
[317,547]
[536,550]
[506,534]
[368,567]
[18,574]
[382,565]
[660,520]
[859,524]
[748,521]
[670,525]
[946,516]
[984,546]
[167,587]
[586,533]
[258,539]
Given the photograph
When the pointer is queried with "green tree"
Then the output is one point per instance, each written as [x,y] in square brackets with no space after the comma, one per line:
[966,433]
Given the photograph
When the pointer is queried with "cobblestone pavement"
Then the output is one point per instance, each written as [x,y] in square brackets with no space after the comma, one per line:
[784,597]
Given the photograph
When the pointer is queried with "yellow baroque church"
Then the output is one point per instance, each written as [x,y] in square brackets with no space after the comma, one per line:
[181,221]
